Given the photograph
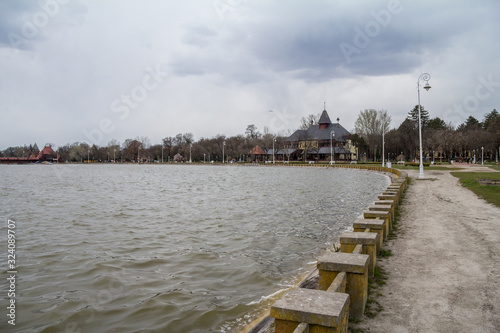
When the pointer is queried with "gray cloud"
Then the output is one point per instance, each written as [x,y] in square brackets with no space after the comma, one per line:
[238,64]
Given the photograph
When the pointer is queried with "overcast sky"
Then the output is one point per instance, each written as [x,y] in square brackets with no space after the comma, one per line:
[88,70]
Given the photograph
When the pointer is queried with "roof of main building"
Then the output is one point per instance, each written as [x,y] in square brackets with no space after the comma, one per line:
[315,133]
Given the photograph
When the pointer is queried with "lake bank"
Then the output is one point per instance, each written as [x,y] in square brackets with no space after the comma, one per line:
[444,274]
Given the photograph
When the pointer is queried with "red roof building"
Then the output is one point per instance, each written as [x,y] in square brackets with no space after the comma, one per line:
[46,155]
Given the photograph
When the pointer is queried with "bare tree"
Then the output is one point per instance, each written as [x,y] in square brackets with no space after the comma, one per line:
[251,132]
[306,122]
[370,125]
[168,143]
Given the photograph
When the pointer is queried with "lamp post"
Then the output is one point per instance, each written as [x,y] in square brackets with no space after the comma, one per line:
[138,152]
[203,157]
[223,145]
[383,145]
[482,155]
[88,156]
[114,155]
[332,135]
[162,146]
[474,151]
[274,140]
[190,147]
[424,77]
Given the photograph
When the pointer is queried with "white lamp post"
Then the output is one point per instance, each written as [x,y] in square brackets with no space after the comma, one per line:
[274,140]
[190,147]
[332,135]
[223,145]
[383,145]
[482,155]
[88,156]
[162,146]
[203,157]
[424,77]
[114,155]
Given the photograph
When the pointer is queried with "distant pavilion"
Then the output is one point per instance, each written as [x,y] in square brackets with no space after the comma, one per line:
[318,141]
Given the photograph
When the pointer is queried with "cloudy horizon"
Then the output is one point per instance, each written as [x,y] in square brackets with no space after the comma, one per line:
[93,71]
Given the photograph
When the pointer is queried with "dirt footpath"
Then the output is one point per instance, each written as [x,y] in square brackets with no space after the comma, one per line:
[444,275]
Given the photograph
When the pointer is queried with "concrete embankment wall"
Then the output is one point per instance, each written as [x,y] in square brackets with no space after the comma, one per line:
[343,275]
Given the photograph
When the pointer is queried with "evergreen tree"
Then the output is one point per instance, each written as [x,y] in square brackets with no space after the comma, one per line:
[489,119]
[424,115]
[470,123]
[436,123]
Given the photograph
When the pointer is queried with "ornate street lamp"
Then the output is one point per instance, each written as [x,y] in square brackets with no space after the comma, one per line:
[423,77]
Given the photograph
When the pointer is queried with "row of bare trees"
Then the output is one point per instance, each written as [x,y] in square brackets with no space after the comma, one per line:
[180,147]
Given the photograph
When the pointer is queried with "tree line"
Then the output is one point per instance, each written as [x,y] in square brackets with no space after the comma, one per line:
[439,139]
[178,148]
[371,128]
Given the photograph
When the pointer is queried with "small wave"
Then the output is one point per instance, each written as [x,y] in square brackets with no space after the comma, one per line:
[264,298]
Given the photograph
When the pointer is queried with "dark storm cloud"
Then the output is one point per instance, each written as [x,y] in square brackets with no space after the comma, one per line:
[11,17]
[315,42]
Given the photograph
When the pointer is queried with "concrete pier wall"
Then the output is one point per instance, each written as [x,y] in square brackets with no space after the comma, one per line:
[343,275]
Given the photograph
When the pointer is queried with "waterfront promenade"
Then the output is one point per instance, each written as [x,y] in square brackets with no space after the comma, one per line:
[444,275]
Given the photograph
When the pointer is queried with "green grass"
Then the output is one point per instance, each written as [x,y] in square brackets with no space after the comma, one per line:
[416,166]
[373,307]
[384,253]
[489,193]
[495,167]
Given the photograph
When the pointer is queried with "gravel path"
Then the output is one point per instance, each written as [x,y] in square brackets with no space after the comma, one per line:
[444,275]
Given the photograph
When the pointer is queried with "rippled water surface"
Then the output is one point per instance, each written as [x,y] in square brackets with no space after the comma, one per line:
[168,248]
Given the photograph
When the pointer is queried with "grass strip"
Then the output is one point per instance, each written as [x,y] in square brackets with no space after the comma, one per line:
[490,193]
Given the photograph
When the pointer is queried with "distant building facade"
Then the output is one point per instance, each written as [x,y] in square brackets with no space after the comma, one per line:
[319,141]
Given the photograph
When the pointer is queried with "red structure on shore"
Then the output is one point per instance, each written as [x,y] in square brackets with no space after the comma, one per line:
[46,155]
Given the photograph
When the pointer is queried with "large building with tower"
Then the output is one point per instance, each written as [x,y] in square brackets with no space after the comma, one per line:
[323,141]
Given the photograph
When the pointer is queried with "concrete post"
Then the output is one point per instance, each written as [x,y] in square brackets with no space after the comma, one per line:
[387,192]
[375,225]
[325,312]
[356,268]
[384,209]
[388,202]
[369,240]
[370,214]
[389,197]
[396,189]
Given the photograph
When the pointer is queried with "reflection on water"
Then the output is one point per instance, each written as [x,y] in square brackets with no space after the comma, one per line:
[173,248]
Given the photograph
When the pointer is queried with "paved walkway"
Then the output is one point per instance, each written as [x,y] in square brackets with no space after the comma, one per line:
[444,275]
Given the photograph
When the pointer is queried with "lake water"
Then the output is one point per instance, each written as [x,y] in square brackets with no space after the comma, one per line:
[167,248]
